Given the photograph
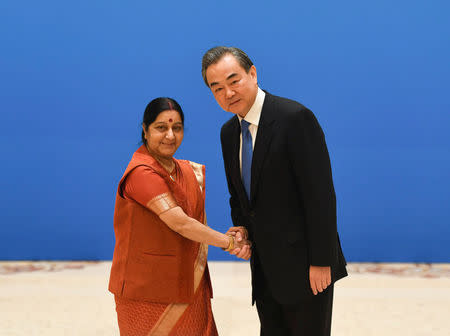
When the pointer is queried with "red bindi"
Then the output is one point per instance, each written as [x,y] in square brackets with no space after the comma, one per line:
[170,120]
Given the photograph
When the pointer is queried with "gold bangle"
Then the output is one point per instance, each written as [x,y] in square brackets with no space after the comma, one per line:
[231,244]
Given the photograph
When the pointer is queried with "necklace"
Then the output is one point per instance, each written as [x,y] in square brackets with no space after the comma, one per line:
[172,172]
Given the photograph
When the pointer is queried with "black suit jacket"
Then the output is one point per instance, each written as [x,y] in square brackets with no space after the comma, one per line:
[291,214]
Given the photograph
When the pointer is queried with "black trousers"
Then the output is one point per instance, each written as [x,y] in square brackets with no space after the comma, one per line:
[311,317]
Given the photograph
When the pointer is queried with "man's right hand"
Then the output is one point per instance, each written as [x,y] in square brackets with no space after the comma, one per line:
[239,232]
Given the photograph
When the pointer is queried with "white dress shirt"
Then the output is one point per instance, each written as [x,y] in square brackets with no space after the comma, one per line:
[252,117]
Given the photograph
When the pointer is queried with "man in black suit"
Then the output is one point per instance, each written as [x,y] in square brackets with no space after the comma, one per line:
[279,178]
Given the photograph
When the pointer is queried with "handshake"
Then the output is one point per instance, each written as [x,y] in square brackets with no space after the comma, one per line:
[239,245]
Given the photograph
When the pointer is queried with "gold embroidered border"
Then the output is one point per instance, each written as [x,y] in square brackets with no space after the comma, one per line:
[162,203]
[198,171]
[174,311]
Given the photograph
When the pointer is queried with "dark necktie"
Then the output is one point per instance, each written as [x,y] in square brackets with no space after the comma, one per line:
[247,154]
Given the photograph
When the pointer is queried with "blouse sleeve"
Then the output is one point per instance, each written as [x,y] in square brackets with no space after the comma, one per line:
[149,189]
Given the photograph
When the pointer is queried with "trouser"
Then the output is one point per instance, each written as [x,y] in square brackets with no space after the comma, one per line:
[310,317]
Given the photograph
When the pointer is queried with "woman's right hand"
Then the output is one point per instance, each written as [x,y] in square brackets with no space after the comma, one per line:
[242,246]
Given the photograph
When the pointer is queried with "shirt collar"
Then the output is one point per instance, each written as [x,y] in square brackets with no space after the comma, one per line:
[254,114]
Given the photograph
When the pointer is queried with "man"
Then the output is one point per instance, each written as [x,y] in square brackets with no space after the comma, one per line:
[279,178]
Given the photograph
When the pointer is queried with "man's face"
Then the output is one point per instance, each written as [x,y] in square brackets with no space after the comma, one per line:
[234,89]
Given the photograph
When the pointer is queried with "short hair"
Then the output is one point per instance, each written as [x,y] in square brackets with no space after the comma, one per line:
[215,54]
[155,107]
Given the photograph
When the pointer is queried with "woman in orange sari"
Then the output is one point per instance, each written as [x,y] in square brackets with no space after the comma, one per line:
[159,274]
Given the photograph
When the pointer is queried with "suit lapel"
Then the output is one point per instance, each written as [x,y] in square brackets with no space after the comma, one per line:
[262,142]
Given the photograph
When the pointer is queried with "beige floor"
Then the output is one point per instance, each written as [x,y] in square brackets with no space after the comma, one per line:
[71,299]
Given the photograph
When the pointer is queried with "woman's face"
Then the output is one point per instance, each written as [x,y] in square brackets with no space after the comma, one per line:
[165,134]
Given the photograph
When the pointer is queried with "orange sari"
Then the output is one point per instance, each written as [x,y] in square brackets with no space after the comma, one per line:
[135,317]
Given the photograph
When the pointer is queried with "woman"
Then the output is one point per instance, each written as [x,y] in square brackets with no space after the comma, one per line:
[159,273]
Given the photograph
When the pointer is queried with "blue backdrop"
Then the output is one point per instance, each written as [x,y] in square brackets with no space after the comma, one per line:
[75,78]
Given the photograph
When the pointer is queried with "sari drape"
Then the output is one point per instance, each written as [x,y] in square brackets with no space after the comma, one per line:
[138,317]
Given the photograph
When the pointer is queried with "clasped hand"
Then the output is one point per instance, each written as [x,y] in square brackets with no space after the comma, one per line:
[243,247]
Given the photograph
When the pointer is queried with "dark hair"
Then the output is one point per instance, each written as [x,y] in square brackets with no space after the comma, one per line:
[155,107]
[214,55]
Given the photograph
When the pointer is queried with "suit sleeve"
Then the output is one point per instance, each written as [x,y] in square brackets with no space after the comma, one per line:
[312,170]
[236,211]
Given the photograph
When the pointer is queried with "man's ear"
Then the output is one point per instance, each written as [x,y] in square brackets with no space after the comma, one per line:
[253,73]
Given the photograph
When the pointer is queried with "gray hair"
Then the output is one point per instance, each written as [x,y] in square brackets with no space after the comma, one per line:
[214,55]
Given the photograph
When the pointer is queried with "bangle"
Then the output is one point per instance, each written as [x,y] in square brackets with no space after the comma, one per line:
[231,244]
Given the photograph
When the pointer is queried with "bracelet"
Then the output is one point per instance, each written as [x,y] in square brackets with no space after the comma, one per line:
[231,243]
